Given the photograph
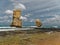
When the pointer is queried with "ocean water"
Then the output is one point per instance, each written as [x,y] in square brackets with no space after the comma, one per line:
[31,24]
[23,24]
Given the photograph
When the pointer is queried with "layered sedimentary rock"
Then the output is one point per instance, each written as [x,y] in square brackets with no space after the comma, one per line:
[16,21]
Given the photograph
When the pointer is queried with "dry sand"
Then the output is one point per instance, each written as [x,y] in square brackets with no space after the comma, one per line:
[31,39]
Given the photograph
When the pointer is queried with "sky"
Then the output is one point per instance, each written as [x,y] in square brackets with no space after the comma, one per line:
[48,11]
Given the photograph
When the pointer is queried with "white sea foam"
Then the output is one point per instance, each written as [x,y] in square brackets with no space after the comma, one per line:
[7,27]
[13,28]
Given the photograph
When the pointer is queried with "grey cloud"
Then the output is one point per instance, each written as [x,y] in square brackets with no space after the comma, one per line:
[46,8]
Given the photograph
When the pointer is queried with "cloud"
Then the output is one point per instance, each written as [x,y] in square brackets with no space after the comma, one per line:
[18,5]
[32,20]
[28,15]
[12,0]
[55,26]
[39,8]
[23,18]
[24,1]
[9,12]
[4,19]
[53,20]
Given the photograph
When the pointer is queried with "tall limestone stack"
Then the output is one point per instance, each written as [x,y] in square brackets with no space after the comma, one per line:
[16,22]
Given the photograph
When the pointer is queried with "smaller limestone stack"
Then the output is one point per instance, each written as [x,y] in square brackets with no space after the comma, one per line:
[38,23]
